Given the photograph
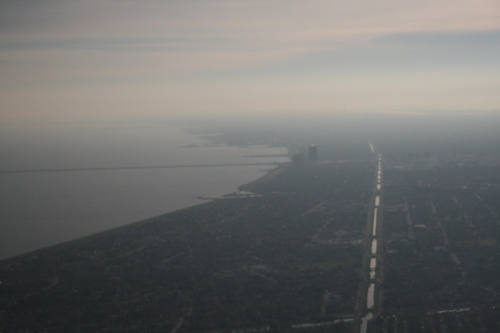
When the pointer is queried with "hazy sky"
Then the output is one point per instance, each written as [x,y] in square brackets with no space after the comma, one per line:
[126,59]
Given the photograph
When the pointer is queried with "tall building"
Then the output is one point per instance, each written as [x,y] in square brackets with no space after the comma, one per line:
[313,153]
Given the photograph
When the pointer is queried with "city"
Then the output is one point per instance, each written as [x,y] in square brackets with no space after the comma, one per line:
[383,244]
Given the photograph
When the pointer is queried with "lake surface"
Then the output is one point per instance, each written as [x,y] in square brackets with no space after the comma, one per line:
[39,209]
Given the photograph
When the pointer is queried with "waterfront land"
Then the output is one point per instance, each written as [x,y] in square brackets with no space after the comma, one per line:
[382,238]
[291,257]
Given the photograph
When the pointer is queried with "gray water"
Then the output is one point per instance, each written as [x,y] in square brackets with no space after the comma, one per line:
[39,209]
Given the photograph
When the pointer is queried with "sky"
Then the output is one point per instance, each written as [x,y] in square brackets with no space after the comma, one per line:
[91,60]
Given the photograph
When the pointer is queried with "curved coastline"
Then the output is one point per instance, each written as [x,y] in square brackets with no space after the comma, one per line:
[202,202]
[88,190]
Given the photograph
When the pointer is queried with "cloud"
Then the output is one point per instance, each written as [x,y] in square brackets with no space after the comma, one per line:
[279,22]
[243,55]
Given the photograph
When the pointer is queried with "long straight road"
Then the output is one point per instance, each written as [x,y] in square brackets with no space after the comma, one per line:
[368,288]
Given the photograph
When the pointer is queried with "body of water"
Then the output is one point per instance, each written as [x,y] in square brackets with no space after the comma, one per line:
[100,178]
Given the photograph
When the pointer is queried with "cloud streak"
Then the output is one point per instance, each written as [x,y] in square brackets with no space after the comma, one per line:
[237,55]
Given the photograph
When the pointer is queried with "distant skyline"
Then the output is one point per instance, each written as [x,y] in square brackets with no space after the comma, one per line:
[87,60]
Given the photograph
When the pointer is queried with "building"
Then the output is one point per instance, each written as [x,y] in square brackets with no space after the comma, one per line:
[313,153]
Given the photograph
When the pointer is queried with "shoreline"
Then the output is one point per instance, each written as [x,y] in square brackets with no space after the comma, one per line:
[83,239]
[84,192]
[271,173]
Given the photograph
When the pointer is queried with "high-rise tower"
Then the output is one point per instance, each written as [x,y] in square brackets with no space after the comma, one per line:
[313,153]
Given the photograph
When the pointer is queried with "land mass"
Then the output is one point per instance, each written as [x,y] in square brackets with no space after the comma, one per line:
[288,258]
[383,236]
